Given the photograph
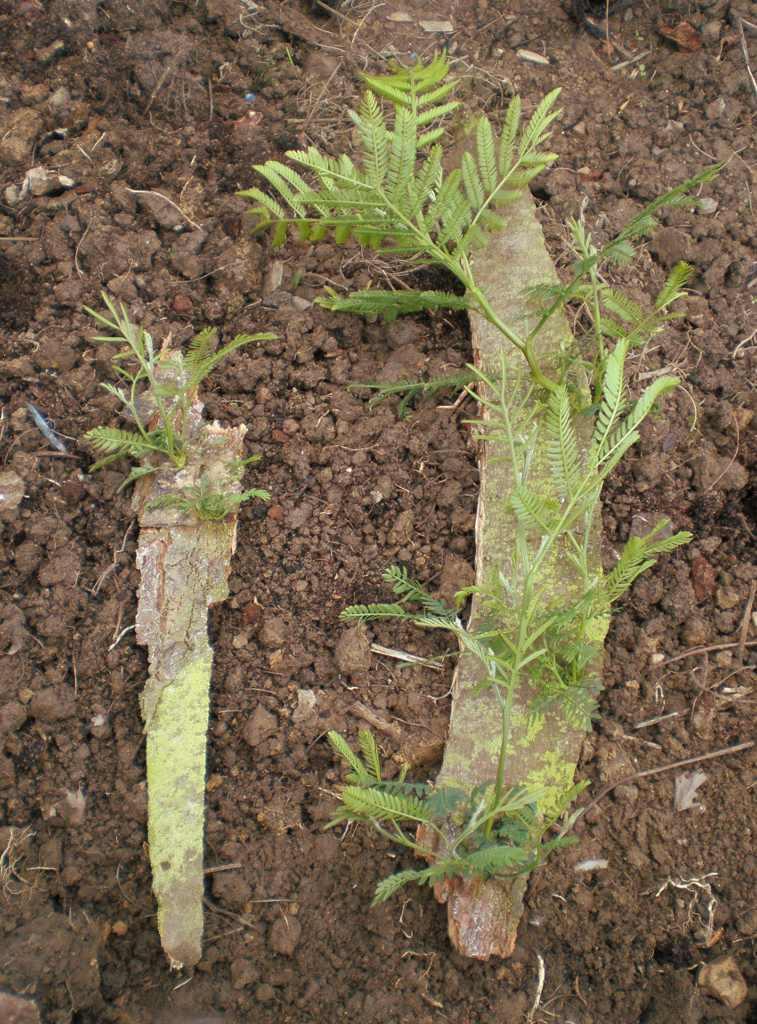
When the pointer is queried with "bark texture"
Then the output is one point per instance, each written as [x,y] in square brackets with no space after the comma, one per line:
[483,916]
[184,565]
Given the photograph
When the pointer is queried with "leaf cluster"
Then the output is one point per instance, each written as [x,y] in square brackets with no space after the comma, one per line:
[397,195]
[464,834]
[205,503]
[156,389]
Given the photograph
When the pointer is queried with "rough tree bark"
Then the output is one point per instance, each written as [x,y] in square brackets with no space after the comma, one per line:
[184,565]
[483,916]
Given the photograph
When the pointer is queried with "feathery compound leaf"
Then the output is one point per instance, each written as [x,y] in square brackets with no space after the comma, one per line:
[491,860]
[389,304]
[509,135]
[375,138]
[387,887]
[340,745]
[366,612]
[562,444]
[370,753]
[673,288]
[637,556]
[532,511]
[112,441]
[375,803]
[541,119]
[486,153]
[613,399]
[413,591]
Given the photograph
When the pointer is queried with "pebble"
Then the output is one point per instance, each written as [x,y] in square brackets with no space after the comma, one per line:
[707,205]
[727,597]
[12,717]
[723,980]
[285,935]
[50,705]
[711,30]
[42,182]
[11,492]
[353,651]
[702,578]
[274,631]
[15,1010]
[260,726]
[265,993]
[715,109]
[306,702]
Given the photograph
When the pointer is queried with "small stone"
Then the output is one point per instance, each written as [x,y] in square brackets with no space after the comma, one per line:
[182,304]
[18,137]
[707,206]
[727,597]
[353,651]
[695,631]
[285,935]
[51,705]
[702,578]
[11,492]
[60,100]
[47,54]
[42,182]
[260,726]
[723,980]
[711,31]
[15,1010]
[243,973]
[715,109]
[119,928]
[12,717]
[306,702]
[265,993]
[274,631]
[164,213]
[671,246]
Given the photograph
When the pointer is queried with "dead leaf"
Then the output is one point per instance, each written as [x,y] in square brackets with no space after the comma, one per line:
[437,26]
[686,789]
[532,58]
[684,35]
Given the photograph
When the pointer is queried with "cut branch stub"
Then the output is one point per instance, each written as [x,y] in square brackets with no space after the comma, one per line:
[543,750]
[184,564]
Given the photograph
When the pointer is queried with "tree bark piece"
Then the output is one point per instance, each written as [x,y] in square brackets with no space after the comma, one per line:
[184,564]
[483,916]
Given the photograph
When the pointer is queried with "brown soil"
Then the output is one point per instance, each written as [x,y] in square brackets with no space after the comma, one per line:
[125,99]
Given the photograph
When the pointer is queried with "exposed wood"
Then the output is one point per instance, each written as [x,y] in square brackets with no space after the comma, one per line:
[483,916]
[184,565]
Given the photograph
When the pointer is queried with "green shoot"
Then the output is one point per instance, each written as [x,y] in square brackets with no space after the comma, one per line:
[156,390]
[461,834]
[399,197]
[206,504]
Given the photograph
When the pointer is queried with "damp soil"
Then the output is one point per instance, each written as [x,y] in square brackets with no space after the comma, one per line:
[125,105]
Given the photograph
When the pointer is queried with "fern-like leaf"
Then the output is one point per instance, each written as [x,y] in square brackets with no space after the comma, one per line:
[374,803]
[387,887]
[562,444]
[370,753]
[638,555]
[366,612]
[390,304]
[340,745]
[113,441]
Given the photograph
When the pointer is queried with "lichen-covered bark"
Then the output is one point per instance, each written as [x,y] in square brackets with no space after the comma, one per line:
[483,916]
[184,566]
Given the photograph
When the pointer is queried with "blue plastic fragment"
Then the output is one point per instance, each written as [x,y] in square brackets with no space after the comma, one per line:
[44,427]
